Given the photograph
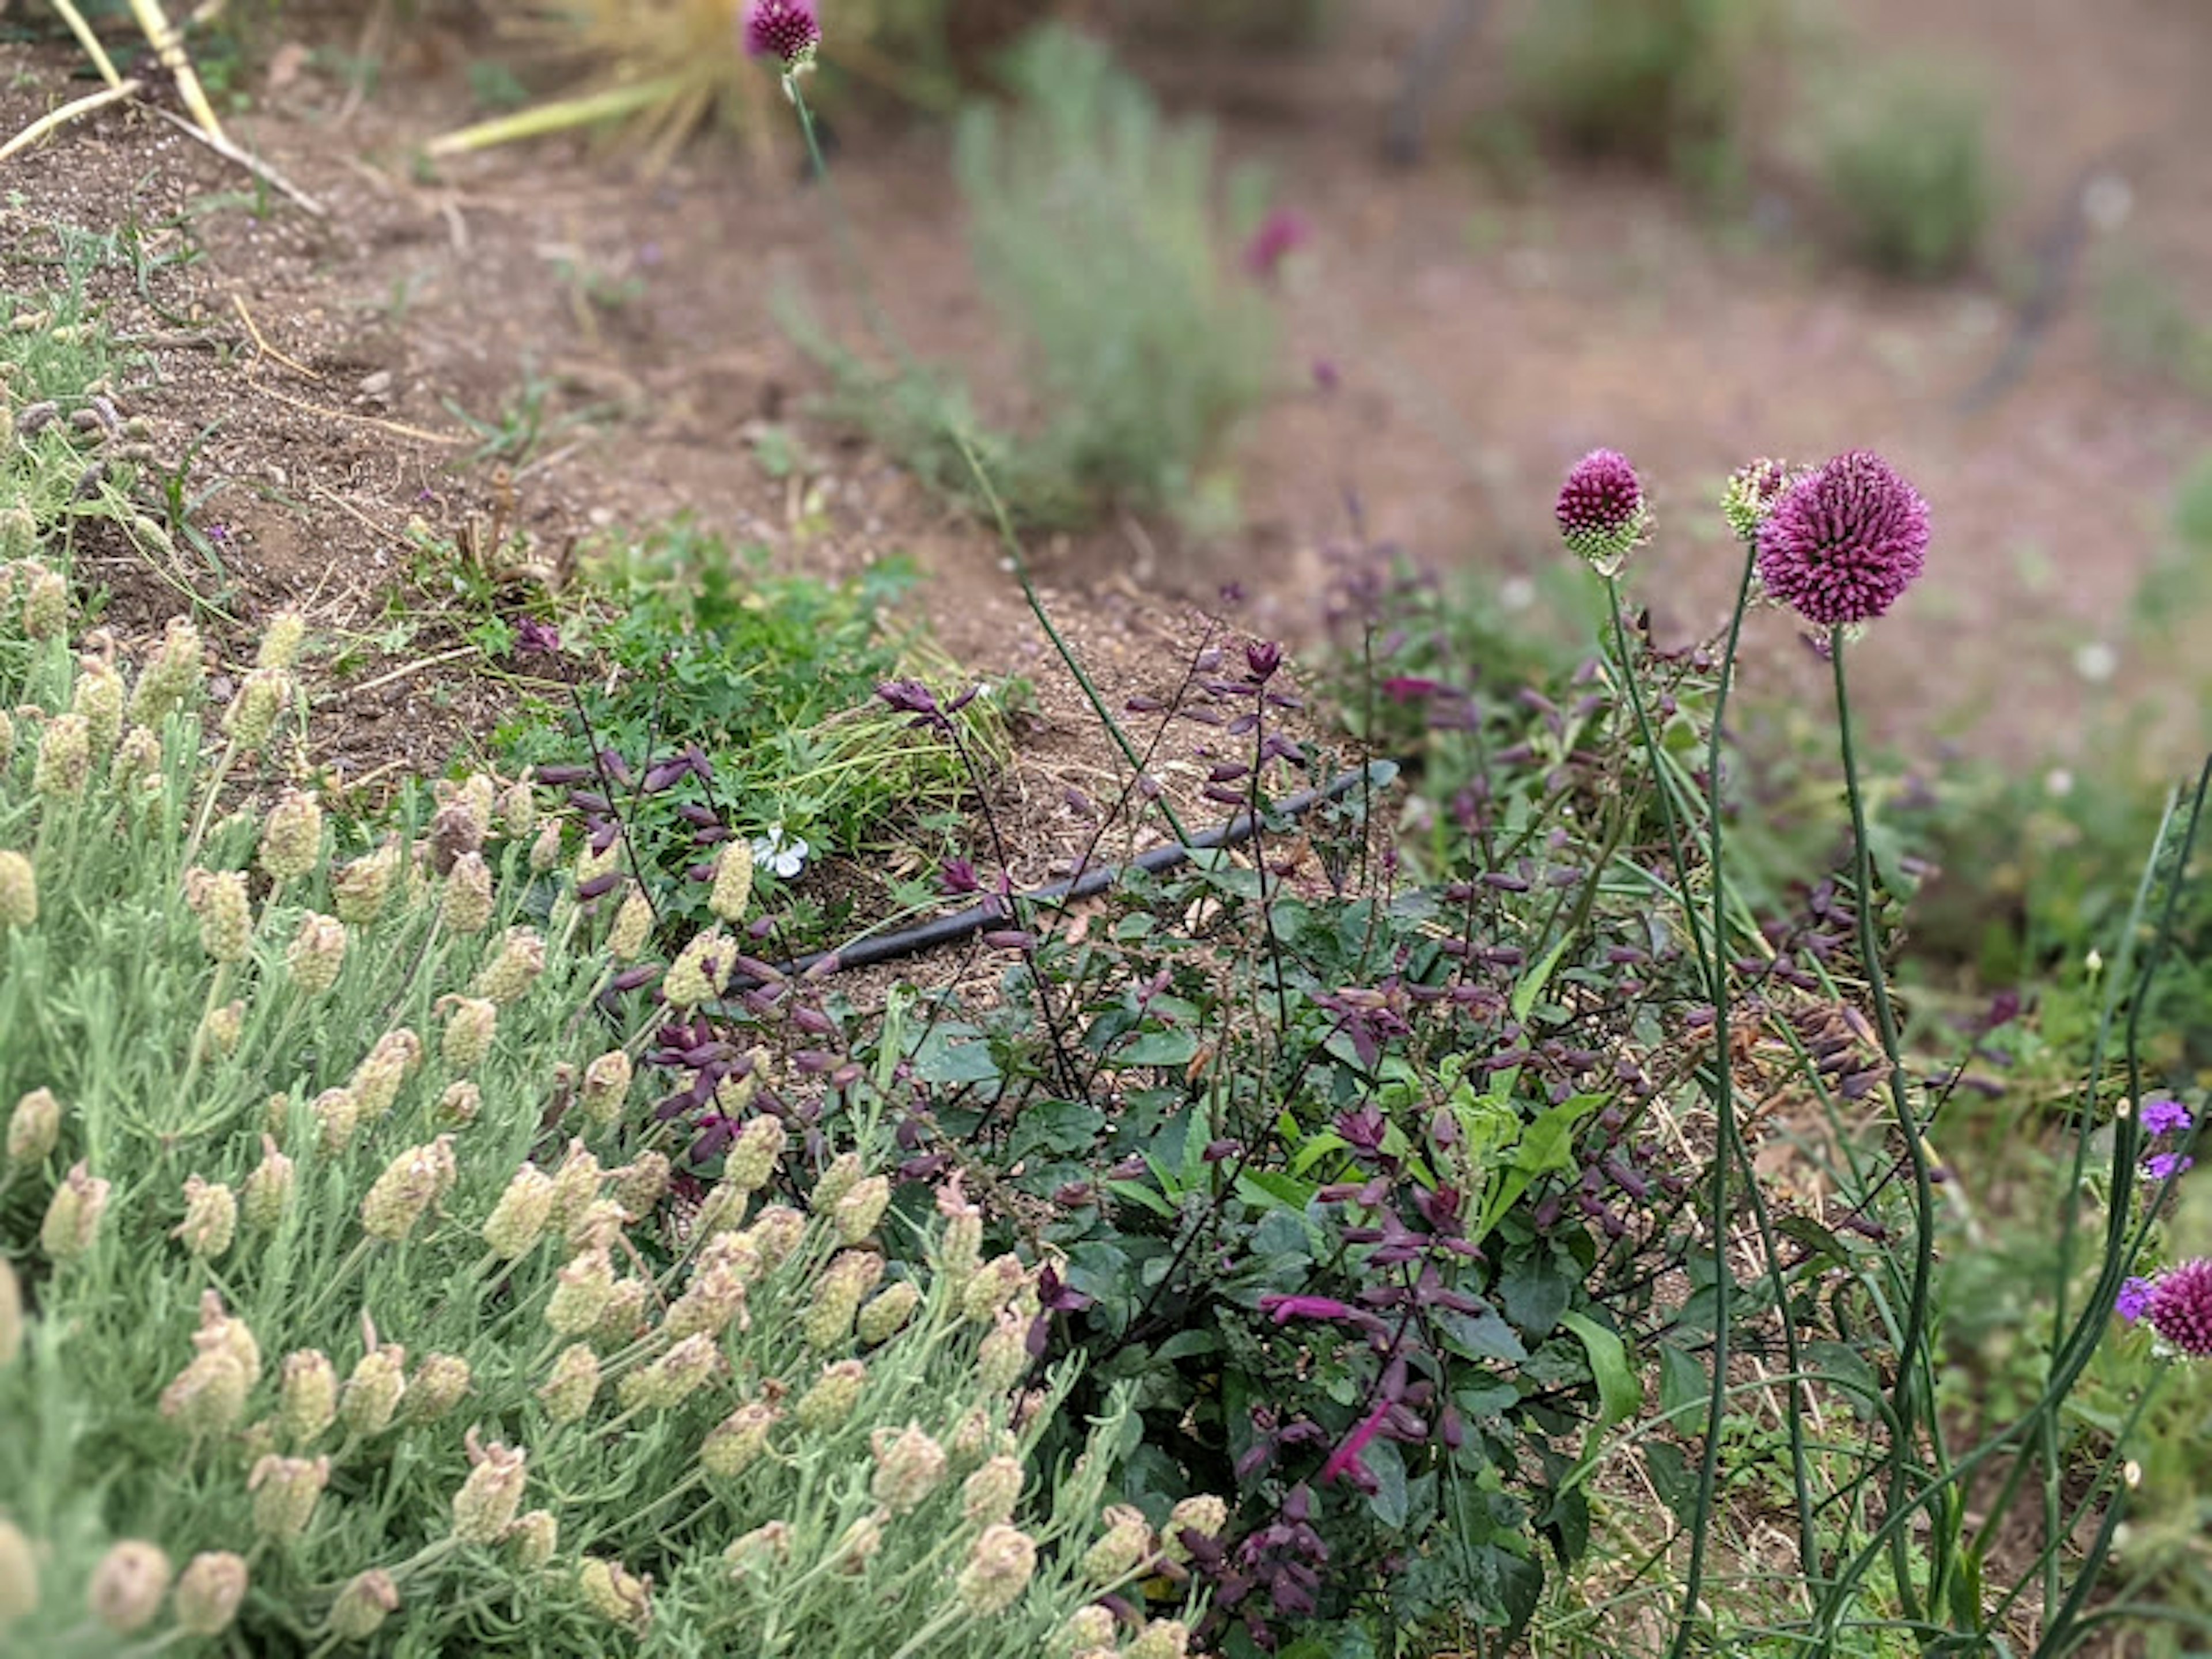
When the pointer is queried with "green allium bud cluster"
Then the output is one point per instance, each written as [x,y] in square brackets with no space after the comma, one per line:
[268,1189]
[615,1594]
[173,678]
[33,1127]
[700,970]
[98,699]
[732,1444]
[359,889]
[292,836]
[369,1599]
[849,1277]
[73,1215]
[308,1397]
[466,906]
[440,1382]
[470,1024]
[373,1393]
[285,1492]
[606,1088]
[485,1506]
[316,954]
[910,1466]
[518,1221]
[218,899]
[507,977]
[832,1398]
[18,891]
[632,926]
[64,759]
[210,1218]
[567,1391]
[1001,1564]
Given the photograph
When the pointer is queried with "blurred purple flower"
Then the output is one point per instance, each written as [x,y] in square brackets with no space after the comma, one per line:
[2133,1299]
[2164,1166]
[787,30]
[1842,545]
[1344,1460]
[1281,234]
[957,876]
[907,696]
[533,638]
[1410,688]
[1283,1309]
[1262,659]
[2165,1117]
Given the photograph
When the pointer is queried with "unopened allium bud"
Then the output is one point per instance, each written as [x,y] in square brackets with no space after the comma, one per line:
[1093,1627]
[546,851]
[676,1375]
[843,1174]
[518,809]
[465,905]
[775,1232]
[615,1593]
[606,1088]
[700,970]
[518,1221]
[999,1567]
[281,640]
[307,1397]
[172,677]
[1163,1638]
[833,1396]
[768,1544]
[1752,489]
[598,1226]
[218,899]
[1126,1542]
[633,925]
[376,1081]
[849,1277]
[470,1024]
[98,698]
[440,1383]
[459,1104]
[403,1194]
[64,758]
[640,1184]
[883,1318]
[622,1321]
[359,889]
[18,1575]
[1600,510]
[534,1537]
[910,1466]
[73,1215]
[292,836]
[285,1490]
[575,1183]
[268,1189]
[128,1585]
[733,882]
[1203,1514]
[753,1155]
[209,1592]
[485,1505]
[337,1116]
[253,713]
[45,602]
[580,1292]
[220,1029]
[568,1389]
[369,1599]
[511,973]
[992,1287]
[374,1390]
[210,1218]
[732,1444]
[208,1397]
[316,954]
[859,1210]
[34,1126]
[988,1496]
[11,1317]
[18,891]
[862,1541]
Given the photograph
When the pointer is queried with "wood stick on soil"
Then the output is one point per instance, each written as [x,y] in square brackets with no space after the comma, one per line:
[54,119]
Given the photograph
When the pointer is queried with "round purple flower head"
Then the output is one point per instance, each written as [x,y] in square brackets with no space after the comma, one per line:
[2165,1116]
[1601,509]
[1840,546]
[787,30]
[2180,1308]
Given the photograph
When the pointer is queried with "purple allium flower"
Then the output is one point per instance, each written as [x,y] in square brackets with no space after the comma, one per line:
[787,30]
[2133,1299]
[1842,545]
[1601,509]
[2164,1166]
[2165,1117]
[2180,1307]
[1280,235]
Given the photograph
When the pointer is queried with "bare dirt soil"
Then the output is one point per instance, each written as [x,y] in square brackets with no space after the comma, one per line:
[312,371]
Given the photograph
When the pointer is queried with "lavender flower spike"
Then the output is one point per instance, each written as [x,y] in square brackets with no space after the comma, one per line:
[786,30]
[1600,510]
[1841,546]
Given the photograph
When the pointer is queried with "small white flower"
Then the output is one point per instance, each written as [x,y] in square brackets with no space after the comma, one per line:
[1516,593]
[2096,662]
[2058,783]
[772,852]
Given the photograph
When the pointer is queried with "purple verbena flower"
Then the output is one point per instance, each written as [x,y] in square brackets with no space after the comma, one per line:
[2133,1299]
[786,30]
[2164,1166]
[1841,546]
[2179,1308]
[1601,509]
[2165,1117]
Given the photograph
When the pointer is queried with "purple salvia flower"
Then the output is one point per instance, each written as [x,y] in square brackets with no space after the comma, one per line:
[1283,1309]
[1842,545]
[786,30]
[2165,1117]
[1601,509]
[2180,1307]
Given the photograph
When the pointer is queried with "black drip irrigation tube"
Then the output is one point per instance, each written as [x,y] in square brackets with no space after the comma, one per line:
[943,930]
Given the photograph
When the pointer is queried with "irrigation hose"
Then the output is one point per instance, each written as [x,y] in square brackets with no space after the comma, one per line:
[944,930]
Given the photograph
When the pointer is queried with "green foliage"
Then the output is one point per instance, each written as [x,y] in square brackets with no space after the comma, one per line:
[285,1119]
[1097,229]
[772,678]
[1906,164]
[1653,80]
